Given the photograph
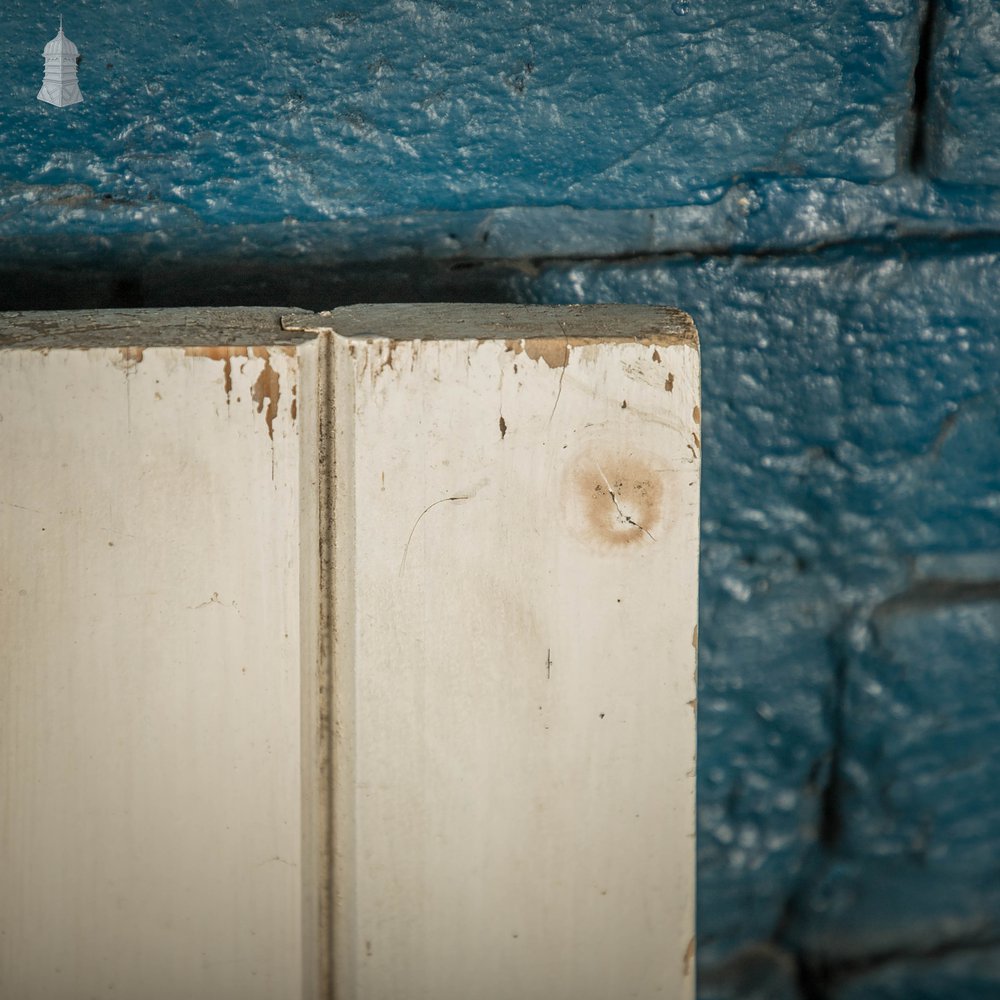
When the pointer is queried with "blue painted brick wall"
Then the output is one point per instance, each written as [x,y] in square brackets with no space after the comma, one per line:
[254,111]
[819,185]
[963,121]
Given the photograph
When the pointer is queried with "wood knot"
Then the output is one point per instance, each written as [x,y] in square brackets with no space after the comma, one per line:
[613,500]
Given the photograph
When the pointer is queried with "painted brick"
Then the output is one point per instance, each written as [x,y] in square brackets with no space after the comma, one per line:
[256,112]
[921,818]
[972,974]
[963,125]
[759,973]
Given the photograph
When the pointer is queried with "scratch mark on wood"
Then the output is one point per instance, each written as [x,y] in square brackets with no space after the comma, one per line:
[562,375]
[214,599]
[429,507]
[548,664]
[17,506]
[280,860]
[562,367]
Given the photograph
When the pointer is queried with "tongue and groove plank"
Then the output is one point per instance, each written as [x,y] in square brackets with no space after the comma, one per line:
[514,539]
[386,686]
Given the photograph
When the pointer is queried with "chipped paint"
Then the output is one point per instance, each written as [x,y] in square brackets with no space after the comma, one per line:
[131,357]
[643,370]
[552,350]
[669,384]
[696,414]
[689,957]
[555,351]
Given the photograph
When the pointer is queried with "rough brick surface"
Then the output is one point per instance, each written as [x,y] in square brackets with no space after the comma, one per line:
[917,863]
[257,112]
[969,975]
[963,114]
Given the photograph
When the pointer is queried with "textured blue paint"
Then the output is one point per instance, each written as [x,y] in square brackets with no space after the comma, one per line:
[252,112]
[918,865]
[759,973]
[963,128]
[966,975]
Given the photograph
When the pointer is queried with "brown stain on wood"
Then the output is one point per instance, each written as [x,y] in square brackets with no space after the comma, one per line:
[689,957]
[613,500]
[382,353]
[130,358]
[669,384]
[503,427]
[379,354]
[694,637]
[696,413]
[390,351]
[656,355]
[223,354]
[266,389]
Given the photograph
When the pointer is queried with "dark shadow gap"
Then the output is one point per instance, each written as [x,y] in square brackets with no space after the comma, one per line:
[127,280]
[921,87]
[128,284]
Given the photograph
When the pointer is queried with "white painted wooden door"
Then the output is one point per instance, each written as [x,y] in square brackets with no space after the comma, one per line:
[349,654]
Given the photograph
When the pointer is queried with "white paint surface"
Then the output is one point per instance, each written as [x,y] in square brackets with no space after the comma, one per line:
[472,556]
[149,679]
[515,656]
